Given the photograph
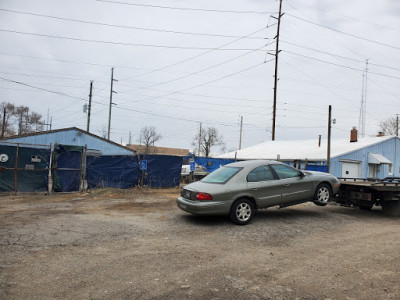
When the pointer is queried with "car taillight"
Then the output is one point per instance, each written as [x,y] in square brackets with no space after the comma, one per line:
[203,196]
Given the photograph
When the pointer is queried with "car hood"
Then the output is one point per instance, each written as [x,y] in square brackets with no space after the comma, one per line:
[317,173]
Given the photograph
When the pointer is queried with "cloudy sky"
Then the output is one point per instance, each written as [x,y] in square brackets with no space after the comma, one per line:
[181,63]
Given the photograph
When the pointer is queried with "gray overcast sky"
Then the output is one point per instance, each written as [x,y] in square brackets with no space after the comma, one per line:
[179,63]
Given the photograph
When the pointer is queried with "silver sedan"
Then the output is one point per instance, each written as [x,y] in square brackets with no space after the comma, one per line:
[239,189]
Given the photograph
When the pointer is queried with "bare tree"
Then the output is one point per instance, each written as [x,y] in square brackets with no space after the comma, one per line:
[20,116]
[104,132]
[22,113]
[35,123]
[7,111]
[206,138]
[148,137]
[389,126]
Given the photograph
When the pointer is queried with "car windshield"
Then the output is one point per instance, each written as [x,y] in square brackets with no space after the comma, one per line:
[222,175]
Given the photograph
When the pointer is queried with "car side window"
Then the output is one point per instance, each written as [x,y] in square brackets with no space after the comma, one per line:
[285,171]
[262,173]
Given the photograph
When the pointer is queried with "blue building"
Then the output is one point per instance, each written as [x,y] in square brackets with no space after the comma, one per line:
[70,136]
[371,157]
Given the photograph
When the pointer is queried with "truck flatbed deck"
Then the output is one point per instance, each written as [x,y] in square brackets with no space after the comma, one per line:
[365,193]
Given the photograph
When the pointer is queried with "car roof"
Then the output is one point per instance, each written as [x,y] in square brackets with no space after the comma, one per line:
[252,163]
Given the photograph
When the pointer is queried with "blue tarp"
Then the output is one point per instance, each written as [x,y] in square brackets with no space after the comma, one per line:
[112,171]
[211,164]
[32,168]
[319,168]
[162,171]
[68,168]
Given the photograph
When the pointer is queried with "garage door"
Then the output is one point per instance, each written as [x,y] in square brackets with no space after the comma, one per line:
[351,170]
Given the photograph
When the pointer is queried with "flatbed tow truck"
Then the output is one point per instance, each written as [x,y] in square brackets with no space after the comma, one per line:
[367,193]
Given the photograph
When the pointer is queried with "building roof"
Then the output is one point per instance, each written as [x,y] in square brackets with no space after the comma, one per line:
[160,150]
[15,138]
[303,149]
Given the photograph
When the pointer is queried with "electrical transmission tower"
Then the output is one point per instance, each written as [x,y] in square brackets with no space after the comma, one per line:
[363,107]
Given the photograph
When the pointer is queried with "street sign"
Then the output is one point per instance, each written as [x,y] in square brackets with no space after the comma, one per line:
[192,166]
[143,165]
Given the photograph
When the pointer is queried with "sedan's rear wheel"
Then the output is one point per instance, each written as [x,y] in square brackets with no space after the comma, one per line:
[322,194]
[242,211]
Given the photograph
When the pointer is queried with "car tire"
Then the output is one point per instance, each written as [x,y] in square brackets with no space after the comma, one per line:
[323,194]
[242,211]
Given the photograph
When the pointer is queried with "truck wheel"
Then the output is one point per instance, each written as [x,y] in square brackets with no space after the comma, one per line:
[242,211]
[322,194]
[391,208]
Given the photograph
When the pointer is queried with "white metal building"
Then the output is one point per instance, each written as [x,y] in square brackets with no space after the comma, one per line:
[371,157]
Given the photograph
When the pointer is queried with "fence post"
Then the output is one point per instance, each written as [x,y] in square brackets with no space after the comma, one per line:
[83,170]
[16,171]
[50,176]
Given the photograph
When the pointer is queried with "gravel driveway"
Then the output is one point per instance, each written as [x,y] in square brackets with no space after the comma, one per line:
[136,244]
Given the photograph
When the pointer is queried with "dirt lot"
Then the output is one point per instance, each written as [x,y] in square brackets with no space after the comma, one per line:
[137,244]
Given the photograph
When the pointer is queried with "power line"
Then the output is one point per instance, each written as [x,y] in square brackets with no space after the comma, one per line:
[124,26]
[187,8]
[134,110]
[120,43]
[339,65]
[47,76]
[336,55]
[202,70]
[213,97]
[215,80]
[198,102]
[342,32]
[199,55]
[343,16]
[45,90]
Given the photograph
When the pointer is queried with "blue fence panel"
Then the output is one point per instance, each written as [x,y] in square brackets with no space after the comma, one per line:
[112,171]
[68,168]
[319,168]
[162,171]
[32,168]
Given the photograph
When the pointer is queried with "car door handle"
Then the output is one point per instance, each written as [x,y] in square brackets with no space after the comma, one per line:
[286,184]
[254,189]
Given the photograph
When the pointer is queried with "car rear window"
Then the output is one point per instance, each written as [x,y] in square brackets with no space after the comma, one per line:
[221,175]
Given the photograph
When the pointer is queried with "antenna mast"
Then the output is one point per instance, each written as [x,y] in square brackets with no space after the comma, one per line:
[363,107]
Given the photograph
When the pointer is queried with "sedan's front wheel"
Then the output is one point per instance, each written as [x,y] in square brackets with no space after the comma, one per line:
[322,195]
[242,211]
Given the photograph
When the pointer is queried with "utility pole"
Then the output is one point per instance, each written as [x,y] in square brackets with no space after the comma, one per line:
[199,140]
[3,129]
[328,159]
[241,128]
[397,125]
[111,103]
[47,120]
[276,70]
[90,106]
[130,138]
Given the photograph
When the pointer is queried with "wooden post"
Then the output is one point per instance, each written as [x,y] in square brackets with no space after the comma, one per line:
[50,176]
[328,159]
[16,171]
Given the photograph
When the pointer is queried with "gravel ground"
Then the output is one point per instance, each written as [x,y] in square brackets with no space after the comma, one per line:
[136,244]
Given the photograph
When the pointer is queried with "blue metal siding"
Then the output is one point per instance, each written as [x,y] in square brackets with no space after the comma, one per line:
[390,149]
[74,138]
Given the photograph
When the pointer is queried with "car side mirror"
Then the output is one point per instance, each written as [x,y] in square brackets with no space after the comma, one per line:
[301,174]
